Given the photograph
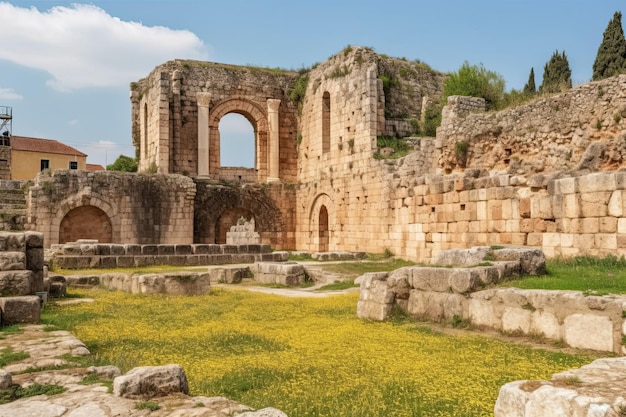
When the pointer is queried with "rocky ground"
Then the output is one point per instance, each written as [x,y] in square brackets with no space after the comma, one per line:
[53,358]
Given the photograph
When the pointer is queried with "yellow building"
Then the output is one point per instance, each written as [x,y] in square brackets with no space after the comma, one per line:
[29,156]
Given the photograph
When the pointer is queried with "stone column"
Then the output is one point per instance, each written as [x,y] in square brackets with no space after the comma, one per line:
[273,140]
[203,100]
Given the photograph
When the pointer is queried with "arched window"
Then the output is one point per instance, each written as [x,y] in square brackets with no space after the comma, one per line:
[326,122]
[236,141]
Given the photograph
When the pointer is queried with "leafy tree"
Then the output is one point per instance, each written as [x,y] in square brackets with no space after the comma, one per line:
[476,81]
[530,88]
[611,57]
[123,163]
[557,75]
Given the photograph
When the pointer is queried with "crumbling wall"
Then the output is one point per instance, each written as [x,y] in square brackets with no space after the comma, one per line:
[582,128]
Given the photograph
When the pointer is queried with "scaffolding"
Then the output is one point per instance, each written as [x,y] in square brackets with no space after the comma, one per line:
[6,125]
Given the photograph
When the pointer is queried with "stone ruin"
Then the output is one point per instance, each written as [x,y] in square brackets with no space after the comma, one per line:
[243,233]
[21,277]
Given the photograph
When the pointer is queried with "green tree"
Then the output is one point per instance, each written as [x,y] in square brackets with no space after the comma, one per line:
[123,163]
[530,88]
[476,81]
[557,75]
[611,57]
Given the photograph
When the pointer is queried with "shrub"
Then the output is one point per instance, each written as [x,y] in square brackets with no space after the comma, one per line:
[476,81]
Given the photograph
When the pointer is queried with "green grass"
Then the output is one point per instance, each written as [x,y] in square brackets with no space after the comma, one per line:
[147,405]
[7,356]
[12,329]
[338,286]
[305,356]
[15,392]
[358,268]
[594,276]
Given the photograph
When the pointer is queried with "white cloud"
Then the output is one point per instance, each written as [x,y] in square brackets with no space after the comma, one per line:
[73,122]
[9,94]
[83,46]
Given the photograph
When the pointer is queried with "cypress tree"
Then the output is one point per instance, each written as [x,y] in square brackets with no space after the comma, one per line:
[530,88]
[557,75]
[611,57]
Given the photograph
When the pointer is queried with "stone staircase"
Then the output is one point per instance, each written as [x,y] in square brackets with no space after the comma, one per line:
[12,205]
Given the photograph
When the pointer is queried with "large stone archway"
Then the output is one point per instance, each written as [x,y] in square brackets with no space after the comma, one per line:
[86,222]
[258,118]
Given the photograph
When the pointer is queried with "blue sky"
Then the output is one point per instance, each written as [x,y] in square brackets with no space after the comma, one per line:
[65,67]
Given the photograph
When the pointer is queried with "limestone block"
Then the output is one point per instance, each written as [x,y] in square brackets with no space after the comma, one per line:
[12,242]
[541,207]
[532,260]
[151,381]
[598,181]
[463,257]
[571,206]
[545,323]
[430,279]
[15,282]
[516,320]
[370,310]
[511,400]
[616,204]
[436,306]
[482,312]
[264,412]
[24,309]
[398,282]
[594,204]
[550,401]
[588,331]
[34,259]
[464,280]
[12,261]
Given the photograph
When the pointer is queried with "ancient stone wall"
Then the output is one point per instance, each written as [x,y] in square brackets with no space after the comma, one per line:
[582,128]
[135,208]
[5,162]
[166,117]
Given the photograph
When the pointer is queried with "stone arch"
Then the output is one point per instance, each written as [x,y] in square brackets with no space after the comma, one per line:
[322,219]
[213,204]
[257,116]
[229,218]
[83,200]
[85,222]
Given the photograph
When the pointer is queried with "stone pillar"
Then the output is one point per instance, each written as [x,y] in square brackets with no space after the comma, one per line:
[203,100]
[273,140]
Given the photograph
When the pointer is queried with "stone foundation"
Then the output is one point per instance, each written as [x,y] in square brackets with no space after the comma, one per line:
[446,294]
[288,273]
[87,254]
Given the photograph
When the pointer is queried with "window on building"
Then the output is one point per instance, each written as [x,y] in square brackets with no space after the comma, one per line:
[73,165]
[45,164]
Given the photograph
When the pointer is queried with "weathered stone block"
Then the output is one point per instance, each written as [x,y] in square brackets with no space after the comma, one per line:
[12,261]
[516,320]
[587,331]
[151,381]
[370,310]
[24,309]
[15,282]
[165,250]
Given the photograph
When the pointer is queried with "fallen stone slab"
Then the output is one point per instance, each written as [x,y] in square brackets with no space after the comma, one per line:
[151,381]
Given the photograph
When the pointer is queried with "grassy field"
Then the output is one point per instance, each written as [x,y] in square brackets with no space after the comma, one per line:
[591,275]
[307,357]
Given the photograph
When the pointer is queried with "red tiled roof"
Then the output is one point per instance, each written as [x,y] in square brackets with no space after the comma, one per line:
[21,143]
[94,167]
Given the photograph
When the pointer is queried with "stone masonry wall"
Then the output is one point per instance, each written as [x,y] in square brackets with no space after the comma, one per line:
[140,208]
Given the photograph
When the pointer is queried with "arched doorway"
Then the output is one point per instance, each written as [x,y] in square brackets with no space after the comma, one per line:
[227,219]
[324,233]
[86,222]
